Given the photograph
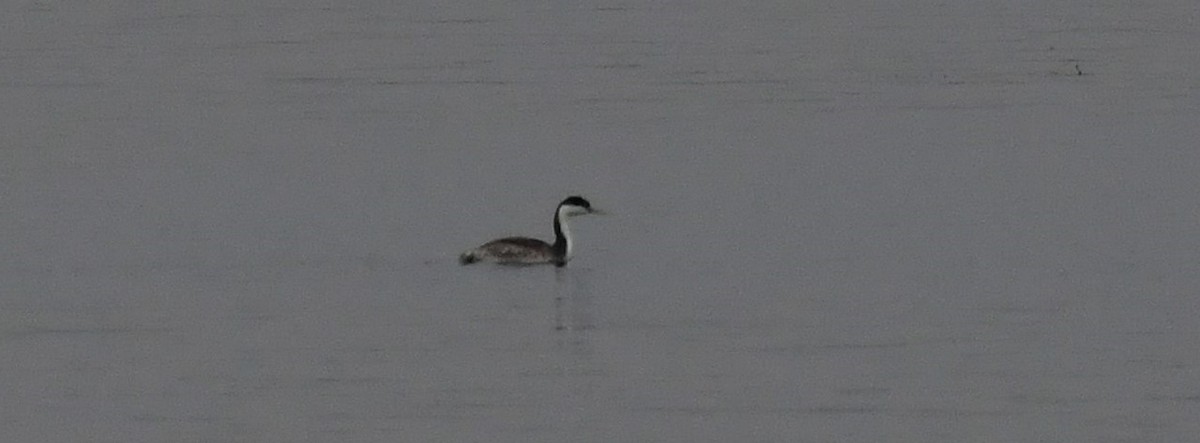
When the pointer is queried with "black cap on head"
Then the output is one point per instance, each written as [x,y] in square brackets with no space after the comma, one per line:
[576,200]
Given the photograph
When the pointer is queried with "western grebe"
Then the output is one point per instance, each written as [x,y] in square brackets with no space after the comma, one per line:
[531,251]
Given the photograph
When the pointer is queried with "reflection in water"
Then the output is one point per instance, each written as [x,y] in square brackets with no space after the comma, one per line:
[572,300]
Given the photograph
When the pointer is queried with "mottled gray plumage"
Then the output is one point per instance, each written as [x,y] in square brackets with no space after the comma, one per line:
[530,251]
[511,250]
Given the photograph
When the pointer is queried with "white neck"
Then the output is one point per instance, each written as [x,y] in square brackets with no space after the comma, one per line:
[566,232]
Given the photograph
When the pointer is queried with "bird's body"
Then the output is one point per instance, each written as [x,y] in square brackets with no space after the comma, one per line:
[512,250]
[531,251]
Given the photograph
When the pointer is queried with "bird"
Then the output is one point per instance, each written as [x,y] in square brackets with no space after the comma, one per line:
[531,251]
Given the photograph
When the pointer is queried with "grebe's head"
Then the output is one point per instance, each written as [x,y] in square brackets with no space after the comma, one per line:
[575,205]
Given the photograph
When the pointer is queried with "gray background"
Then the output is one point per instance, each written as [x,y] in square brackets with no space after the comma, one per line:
[234,221]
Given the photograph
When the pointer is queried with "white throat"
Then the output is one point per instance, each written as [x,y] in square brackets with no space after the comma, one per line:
[564,226]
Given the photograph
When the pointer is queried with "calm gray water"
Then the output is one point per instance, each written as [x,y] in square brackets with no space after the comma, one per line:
[853,221]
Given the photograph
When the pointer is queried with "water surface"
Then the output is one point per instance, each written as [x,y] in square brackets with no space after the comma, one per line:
[850,222]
